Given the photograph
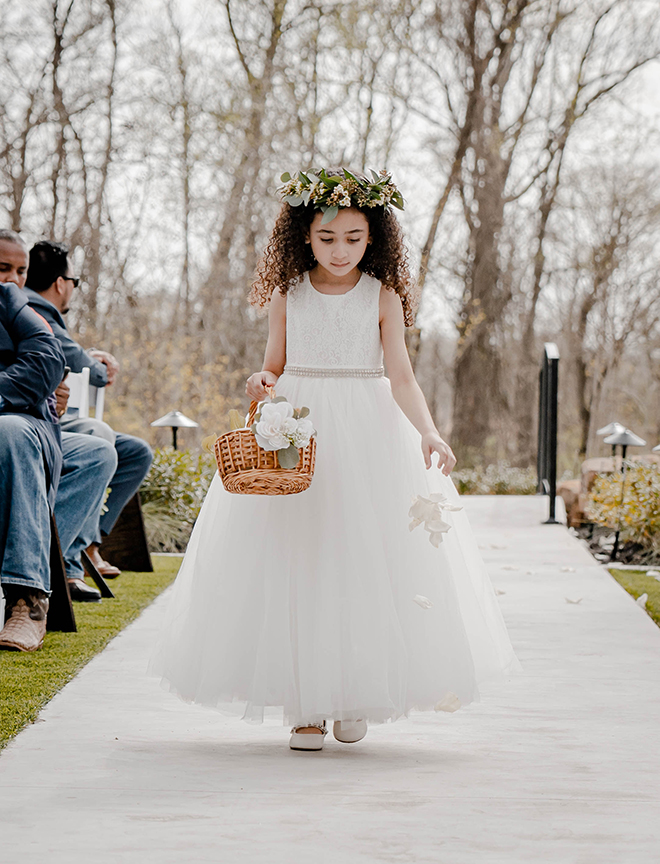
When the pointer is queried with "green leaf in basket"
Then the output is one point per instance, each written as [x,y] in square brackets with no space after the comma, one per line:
[288,457]
[304,412]
[279,399]
[253,428]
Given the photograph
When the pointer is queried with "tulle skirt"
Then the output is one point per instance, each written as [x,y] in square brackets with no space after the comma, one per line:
[307,602]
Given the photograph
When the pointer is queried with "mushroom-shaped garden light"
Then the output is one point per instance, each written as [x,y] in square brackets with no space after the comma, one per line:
[176,420]
[625,439]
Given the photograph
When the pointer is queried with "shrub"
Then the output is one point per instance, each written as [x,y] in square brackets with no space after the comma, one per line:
[172,494]
[498,479]
[639,517]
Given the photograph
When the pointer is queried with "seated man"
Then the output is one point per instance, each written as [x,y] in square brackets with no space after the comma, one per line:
[87,464]
[50,285]
[31,366]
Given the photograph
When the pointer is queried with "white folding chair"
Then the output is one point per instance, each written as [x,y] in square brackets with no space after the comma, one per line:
[97,400]
[79,392]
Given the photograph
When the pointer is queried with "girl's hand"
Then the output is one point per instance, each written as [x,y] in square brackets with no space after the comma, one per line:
[257,383]
[433,443]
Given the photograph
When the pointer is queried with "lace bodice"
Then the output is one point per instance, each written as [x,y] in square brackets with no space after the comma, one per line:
[334,331]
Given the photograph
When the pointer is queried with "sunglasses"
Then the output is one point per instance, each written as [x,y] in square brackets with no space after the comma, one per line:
[74,279]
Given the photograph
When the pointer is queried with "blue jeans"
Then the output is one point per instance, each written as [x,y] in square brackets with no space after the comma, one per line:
[87,468]
[24,517]
[88,465]
[133,462]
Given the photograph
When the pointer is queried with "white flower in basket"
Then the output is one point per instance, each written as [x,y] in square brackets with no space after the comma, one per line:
[281,427]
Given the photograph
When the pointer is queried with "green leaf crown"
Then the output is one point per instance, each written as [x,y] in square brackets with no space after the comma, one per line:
[328,192]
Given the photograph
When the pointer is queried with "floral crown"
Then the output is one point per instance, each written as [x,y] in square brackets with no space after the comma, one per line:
[328,192]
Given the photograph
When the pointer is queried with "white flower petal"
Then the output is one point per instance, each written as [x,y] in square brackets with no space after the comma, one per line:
[437,525]
[276,411]
[422,601]
[265,443]
[430,513]
[443,502]
[449,702]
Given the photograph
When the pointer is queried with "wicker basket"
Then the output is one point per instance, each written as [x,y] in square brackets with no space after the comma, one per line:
[248,469]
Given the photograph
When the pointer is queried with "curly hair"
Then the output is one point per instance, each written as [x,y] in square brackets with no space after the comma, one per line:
[288,256]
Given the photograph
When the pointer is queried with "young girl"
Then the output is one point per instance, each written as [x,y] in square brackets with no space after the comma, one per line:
[325,603]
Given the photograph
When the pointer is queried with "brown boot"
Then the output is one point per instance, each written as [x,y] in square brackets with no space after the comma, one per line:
[25,619]
[107,570]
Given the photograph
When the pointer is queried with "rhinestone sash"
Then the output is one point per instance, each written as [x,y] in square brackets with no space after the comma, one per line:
[311,372]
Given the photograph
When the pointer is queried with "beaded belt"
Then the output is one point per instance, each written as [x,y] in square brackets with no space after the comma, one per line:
[334,373]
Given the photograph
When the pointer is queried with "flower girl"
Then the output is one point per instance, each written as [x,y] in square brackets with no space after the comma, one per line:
[327,604]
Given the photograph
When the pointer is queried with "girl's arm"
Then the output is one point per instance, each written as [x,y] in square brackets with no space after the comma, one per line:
[275,357]
[405,388]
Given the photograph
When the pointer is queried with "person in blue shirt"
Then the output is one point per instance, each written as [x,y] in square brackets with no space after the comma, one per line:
[31,367]
[50,287]
[39,465]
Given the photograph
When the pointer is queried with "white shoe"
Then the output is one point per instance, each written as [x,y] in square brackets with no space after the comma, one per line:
[308,740]
[349,731]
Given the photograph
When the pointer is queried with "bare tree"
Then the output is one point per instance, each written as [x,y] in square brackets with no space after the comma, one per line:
[509,74]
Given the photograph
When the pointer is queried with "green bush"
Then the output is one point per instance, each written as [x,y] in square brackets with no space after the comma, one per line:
[498,479]
[172,494]
[639,516]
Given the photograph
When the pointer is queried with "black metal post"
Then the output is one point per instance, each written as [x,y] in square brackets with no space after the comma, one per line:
[546,460]
[615,548]
[174,431]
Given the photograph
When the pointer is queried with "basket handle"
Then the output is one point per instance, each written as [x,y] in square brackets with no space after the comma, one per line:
[252,413]
[270,389]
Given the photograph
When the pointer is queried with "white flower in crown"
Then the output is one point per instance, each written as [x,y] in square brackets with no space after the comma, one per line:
[429,511]
[270,430]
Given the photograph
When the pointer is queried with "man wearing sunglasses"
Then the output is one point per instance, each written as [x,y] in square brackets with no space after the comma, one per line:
[50,286]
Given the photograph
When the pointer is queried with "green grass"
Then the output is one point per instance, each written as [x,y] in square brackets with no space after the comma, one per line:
[29,681]
[636,583]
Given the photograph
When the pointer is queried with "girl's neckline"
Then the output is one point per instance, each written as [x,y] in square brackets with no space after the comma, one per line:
[343,294]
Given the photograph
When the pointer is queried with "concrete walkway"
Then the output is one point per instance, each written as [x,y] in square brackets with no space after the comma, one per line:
[562,765]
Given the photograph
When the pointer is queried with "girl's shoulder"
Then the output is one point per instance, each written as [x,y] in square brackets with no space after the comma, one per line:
[298,286]
[370,283]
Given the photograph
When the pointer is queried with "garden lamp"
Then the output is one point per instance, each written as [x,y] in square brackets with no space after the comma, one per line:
[625,439]
[612,428]
[175,420]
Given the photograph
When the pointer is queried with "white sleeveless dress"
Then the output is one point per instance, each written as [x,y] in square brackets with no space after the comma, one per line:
[307,602]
